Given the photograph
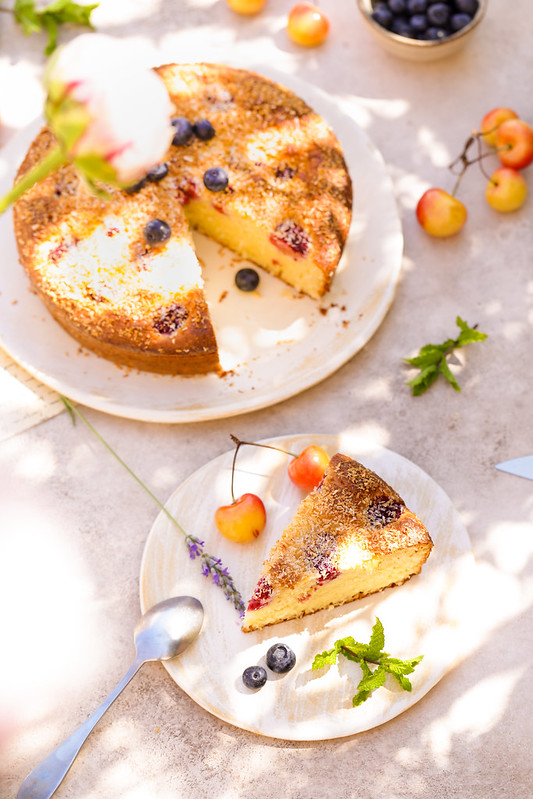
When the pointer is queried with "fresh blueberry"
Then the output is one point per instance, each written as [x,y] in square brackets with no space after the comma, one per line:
[383,15]
[419,23]
[467,6]
[459,21]
[136,187]
[254,677]
[158,172]
[247,279]
[280,658]
[417,6]
[156,231]
[438,14]
[402,28]
[183,131]
[434,34]
[216,179]
[204,129]
[397,6]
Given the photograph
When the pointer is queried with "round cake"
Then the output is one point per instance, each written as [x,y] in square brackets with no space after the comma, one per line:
[252,166]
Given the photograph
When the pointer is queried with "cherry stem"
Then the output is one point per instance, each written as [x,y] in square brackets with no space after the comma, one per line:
[238,444]
[464,161]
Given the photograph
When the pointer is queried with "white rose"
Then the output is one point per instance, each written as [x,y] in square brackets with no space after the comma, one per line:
[110,114]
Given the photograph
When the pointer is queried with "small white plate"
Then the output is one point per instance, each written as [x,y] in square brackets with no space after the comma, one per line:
[421,617]
[273,342]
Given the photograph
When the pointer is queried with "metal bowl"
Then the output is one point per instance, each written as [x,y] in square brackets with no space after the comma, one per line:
[420,49]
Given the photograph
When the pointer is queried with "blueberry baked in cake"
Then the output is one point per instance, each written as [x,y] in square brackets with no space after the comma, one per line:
[251,166]
[350,537]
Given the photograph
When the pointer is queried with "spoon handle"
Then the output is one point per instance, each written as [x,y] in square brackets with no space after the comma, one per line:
[45,778]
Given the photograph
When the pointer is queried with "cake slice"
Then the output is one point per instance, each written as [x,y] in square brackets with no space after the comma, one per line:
[350,537]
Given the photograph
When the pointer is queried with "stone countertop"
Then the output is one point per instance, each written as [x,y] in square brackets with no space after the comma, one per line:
[73,523]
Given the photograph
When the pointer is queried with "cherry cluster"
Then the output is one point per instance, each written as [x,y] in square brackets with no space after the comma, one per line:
[245,518]
[502,134]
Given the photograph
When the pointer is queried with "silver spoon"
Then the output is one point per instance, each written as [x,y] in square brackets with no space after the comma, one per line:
[162,633]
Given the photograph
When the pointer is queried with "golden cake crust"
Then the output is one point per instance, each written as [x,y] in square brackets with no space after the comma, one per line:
[144,306]
[284,162]
[113,292]
[352,520]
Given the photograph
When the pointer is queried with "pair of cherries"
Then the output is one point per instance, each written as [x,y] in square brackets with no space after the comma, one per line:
[245,518]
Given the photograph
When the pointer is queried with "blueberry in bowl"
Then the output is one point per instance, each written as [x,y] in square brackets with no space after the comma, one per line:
[422,30]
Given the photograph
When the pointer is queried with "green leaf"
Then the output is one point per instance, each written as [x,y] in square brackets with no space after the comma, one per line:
[67,11]
[397,666]
[373,679]
[51,28]
[446,371]
[356,651]
[328,658]
[49,18]
[377,641]
[364,654]
[429,355]
[27,16]
[468,335]
[362,695]
[432,358]
[422,382]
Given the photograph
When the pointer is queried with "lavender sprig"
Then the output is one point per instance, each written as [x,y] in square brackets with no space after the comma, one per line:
[214,567]
[210,565]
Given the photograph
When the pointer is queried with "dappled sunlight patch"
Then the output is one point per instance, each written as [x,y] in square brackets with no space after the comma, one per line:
[44,578]
[475,712]
[37,465]
[366,437]
[435,150]
[511,545]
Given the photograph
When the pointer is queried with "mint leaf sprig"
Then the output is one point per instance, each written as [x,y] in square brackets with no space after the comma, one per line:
[366,654]
[49,18]
[210,565]
[432,359]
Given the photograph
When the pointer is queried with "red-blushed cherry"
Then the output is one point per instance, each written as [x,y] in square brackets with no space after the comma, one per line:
[440,214]
[243,520]
[506,190]
[307,469]
[492,121]
[307,25]
[514,140]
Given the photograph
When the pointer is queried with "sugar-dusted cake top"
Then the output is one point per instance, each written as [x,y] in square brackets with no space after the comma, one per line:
[349,519]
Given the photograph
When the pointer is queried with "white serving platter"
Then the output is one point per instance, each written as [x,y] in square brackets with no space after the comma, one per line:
[274,343]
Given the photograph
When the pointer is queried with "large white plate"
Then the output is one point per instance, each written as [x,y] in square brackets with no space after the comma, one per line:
[274,343]
[421,617]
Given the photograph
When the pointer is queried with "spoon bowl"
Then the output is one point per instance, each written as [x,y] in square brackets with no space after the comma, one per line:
[163,632]
[168,628]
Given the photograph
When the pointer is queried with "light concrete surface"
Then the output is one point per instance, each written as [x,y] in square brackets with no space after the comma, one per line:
[73,523]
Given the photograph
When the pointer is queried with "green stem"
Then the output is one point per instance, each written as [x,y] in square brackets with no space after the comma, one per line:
[49,163]
[72,409]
